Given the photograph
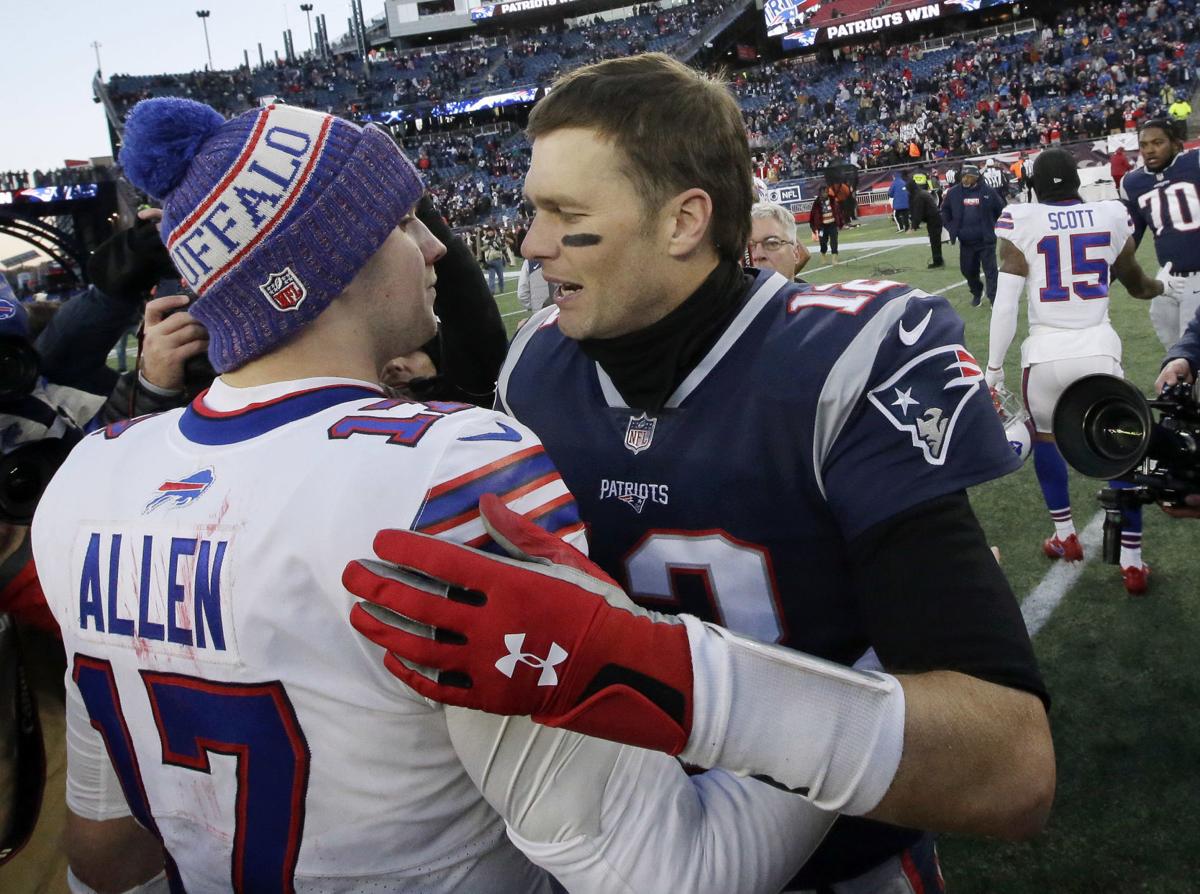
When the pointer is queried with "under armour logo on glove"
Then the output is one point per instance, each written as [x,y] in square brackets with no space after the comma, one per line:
[441,611]
[514,642]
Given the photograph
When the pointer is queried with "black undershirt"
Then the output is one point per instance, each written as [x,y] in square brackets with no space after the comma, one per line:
[646,366]
[932,597]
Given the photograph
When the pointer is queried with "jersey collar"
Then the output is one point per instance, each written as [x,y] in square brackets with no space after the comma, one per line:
[227,415]
[763,291]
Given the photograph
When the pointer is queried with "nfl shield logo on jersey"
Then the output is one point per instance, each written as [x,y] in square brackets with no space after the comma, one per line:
[284,290]
[927,395]
[639,434]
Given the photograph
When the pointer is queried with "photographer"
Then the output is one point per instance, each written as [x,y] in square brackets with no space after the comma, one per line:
[172,367]
[1182,362]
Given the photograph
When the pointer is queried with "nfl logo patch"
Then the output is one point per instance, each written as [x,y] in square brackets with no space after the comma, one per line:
[640,432]
[284,290]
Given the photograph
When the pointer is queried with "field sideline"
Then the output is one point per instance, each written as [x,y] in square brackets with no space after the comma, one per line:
[1125,726]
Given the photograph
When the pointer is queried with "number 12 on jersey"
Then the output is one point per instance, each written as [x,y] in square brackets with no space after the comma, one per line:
[1086,277]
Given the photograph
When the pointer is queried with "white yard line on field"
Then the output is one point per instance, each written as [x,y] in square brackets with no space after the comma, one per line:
[1043,599]
[870,254]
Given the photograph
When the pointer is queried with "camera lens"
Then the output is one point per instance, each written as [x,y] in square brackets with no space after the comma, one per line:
[24,474]
[23,482]
[1115,430]
[18,367]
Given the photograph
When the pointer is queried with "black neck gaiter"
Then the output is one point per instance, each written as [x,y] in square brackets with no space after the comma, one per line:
[647,365]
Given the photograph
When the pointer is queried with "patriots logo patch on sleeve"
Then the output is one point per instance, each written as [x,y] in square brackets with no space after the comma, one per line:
[927,395]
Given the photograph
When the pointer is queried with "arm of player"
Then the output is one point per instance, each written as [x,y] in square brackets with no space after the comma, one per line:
[947,214]
[113,856]
[832,734]
[620,672]
[960,647]
[1135,213]
[1127,269]
[1011,285]
[584,809]
[107,850]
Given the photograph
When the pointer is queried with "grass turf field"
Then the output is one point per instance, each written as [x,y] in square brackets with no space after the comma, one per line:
[1126,695]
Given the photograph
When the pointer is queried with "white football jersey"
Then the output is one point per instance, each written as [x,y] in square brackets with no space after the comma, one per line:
[1069,249]
[193,560]
[217,691]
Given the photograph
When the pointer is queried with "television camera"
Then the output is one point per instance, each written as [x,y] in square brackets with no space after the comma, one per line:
[1105,428]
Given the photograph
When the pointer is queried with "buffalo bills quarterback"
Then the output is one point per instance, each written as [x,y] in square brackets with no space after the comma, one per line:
[228,730]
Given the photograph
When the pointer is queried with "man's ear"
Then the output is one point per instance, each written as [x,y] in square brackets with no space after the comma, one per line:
[690,213]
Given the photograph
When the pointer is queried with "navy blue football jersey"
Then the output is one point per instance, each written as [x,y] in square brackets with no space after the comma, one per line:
[820,412]
[1168,202]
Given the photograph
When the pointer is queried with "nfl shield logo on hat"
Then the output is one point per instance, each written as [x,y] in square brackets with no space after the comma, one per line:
[284,290]
[640,432]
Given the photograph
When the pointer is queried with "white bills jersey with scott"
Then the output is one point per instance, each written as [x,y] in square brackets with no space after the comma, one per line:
[1069,248]
[216,689]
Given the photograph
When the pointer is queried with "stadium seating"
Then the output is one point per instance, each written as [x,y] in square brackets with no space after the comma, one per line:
[873,105]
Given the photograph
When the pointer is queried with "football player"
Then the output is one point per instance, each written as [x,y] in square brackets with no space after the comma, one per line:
[227,729]
[790,461]
[1163,195]
[1060,250]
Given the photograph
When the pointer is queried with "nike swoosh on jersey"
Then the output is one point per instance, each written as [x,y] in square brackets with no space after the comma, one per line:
[911,336]
[508,433]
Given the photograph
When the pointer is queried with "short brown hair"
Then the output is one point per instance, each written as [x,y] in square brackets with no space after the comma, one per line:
[676,127]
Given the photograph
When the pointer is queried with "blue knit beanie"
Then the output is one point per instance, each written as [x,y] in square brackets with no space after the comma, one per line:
[267,216]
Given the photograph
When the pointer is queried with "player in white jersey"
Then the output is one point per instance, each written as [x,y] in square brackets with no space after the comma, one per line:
[1060,251]
[227,728]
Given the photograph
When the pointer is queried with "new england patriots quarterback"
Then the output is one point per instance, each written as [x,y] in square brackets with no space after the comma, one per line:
[1163,195]
[789,461]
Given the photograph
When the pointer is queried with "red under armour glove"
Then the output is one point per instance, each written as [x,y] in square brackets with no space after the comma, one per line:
[546,633]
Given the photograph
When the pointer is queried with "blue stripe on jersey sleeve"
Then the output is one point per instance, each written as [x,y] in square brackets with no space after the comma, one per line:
[466,497]
[559,518]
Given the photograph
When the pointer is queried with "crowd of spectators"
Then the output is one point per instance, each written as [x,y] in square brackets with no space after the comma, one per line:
[70,176]
[1092,72]
[419,79]
[473,177]
[544,54]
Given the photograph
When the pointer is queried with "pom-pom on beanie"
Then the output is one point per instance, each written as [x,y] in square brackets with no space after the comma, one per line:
[267,216]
